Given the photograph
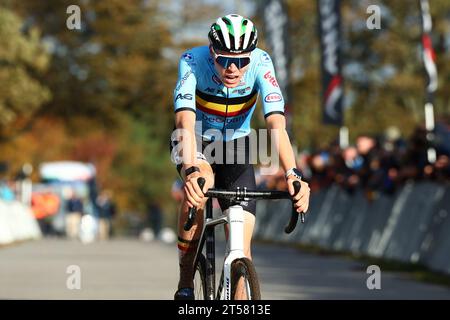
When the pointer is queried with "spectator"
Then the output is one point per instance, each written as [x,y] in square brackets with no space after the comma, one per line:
[366,147]
[320,173]
[352,163]
[106,212]
[155,217]
[74,212]
[415,159]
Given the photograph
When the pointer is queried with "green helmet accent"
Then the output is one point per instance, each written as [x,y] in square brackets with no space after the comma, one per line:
[233,33]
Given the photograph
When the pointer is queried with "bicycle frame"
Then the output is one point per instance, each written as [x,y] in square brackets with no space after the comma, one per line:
[234,217]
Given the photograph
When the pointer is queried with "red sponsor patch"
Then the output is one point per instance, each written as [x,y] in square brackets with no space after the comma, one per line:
[271,78]
[273,97]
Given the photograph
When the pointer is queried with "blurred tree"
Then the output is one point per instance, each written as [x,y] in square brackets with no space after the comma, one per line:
[113,64]
[108,79]
[22,59]
[384,76]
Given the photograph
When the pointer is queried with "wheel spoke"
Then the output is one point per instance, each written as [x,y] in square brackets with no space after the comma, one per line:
[248,290]
[199,280]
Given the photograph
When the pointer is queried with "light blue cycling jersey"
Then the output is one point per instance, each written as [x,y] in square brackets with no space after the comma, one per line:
[228,110]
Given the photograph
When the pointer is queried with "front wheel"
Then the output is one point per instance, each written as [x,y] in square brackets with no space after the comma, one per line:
[244,280]
[200,291]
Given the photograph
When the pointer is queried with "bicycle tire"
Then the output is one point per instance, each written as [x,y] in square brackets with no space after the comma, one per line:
[244,268]
[200,291]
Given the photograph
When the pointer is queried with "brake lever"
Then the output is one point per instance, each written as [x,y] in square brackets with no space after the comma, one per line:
[193,211]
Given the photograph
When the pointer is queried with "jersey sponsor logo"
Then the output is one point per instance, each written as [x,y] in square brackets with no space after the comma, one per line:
[273,97]
[186,96]
[265,58]
[219,119]
[183,80]
[188,57]
[212,119]
[241,91]
[269,77]
[216,91]
[216,79]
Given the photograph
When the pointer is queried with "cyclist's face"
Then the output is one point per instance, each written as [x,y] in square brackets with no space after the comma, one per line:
[232,75]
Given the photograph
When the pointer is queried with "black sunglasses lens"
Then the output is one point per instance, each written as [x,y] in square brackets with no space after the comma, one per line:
[244,62]
[225,62]
[222,61]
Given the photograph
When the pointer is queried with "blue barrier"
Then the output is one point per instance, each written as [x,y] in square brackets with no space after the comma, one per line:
[412,225]
[435,248]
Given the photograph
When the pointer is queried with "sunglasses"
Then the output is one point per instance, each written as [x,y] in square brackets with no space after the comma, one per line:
[226,61]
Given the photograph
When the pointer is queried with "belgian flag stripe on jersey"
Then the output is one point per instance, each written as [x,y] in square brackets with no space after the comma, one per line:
[218,105]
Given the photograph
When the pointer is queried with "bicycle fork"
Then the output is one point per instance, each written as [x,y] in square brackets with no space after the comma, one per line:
[235,218]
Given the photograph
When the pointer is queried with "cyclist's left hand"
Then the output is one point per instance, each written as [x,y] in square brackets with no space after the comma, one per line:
[301,200]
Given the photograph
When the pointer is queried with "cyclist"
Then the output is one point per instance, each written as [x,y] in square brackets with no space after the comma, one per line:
[214,99]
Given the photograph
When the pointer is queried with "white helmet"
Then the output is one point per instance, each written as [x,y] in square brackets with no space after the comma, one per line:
[233,33]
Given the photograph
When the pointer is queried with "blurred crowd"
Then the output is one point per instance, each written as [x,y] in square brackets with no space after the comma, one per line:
[374,164]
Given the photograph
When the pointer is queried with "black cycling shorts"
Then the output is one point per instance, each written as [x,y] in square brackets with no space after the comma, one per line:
[232,169]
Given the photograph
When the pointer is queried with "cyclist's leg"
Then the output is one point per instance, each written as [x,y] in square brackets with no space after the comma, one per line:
[243,177]
[239,173]
[188,240]
[230,176]
[249,225]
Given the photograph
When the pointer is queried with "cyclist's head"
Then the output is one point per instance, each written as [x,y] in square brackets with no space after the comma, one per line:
[233,34]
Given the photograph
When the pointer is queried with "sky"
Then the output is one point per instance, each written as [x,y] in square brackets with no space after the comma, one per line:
[198,31]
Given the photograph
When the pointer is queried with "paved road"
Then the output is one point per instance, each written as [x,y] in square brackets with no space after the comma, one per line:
[130,269]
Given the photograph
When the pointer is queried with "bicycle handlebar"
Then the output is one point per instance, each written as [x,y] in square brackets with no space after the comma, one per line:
[244,194]
[294,214]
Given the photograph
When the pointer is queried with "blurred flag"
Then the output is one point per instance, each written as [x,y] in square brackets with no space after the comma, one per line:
[276,32]
[330,43]
[429,59]
[428,54]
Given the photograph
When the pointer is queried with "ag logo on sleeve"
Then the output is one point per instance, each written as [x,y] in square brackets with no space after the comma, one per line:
[188,57]
[265,58]
[186,96]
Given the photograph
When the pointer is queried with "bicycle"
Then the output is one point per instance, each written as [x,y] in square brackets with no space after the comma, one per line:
[236,265]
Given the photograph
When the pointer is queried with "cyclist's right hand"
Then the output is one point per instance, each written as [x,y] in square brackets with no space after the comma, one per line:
[192,192]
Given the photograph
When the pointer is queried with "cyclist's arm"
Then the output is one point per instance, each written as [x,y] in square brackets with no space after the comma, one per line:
[184,105]
[185,120]
[277,122]
[273,107]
